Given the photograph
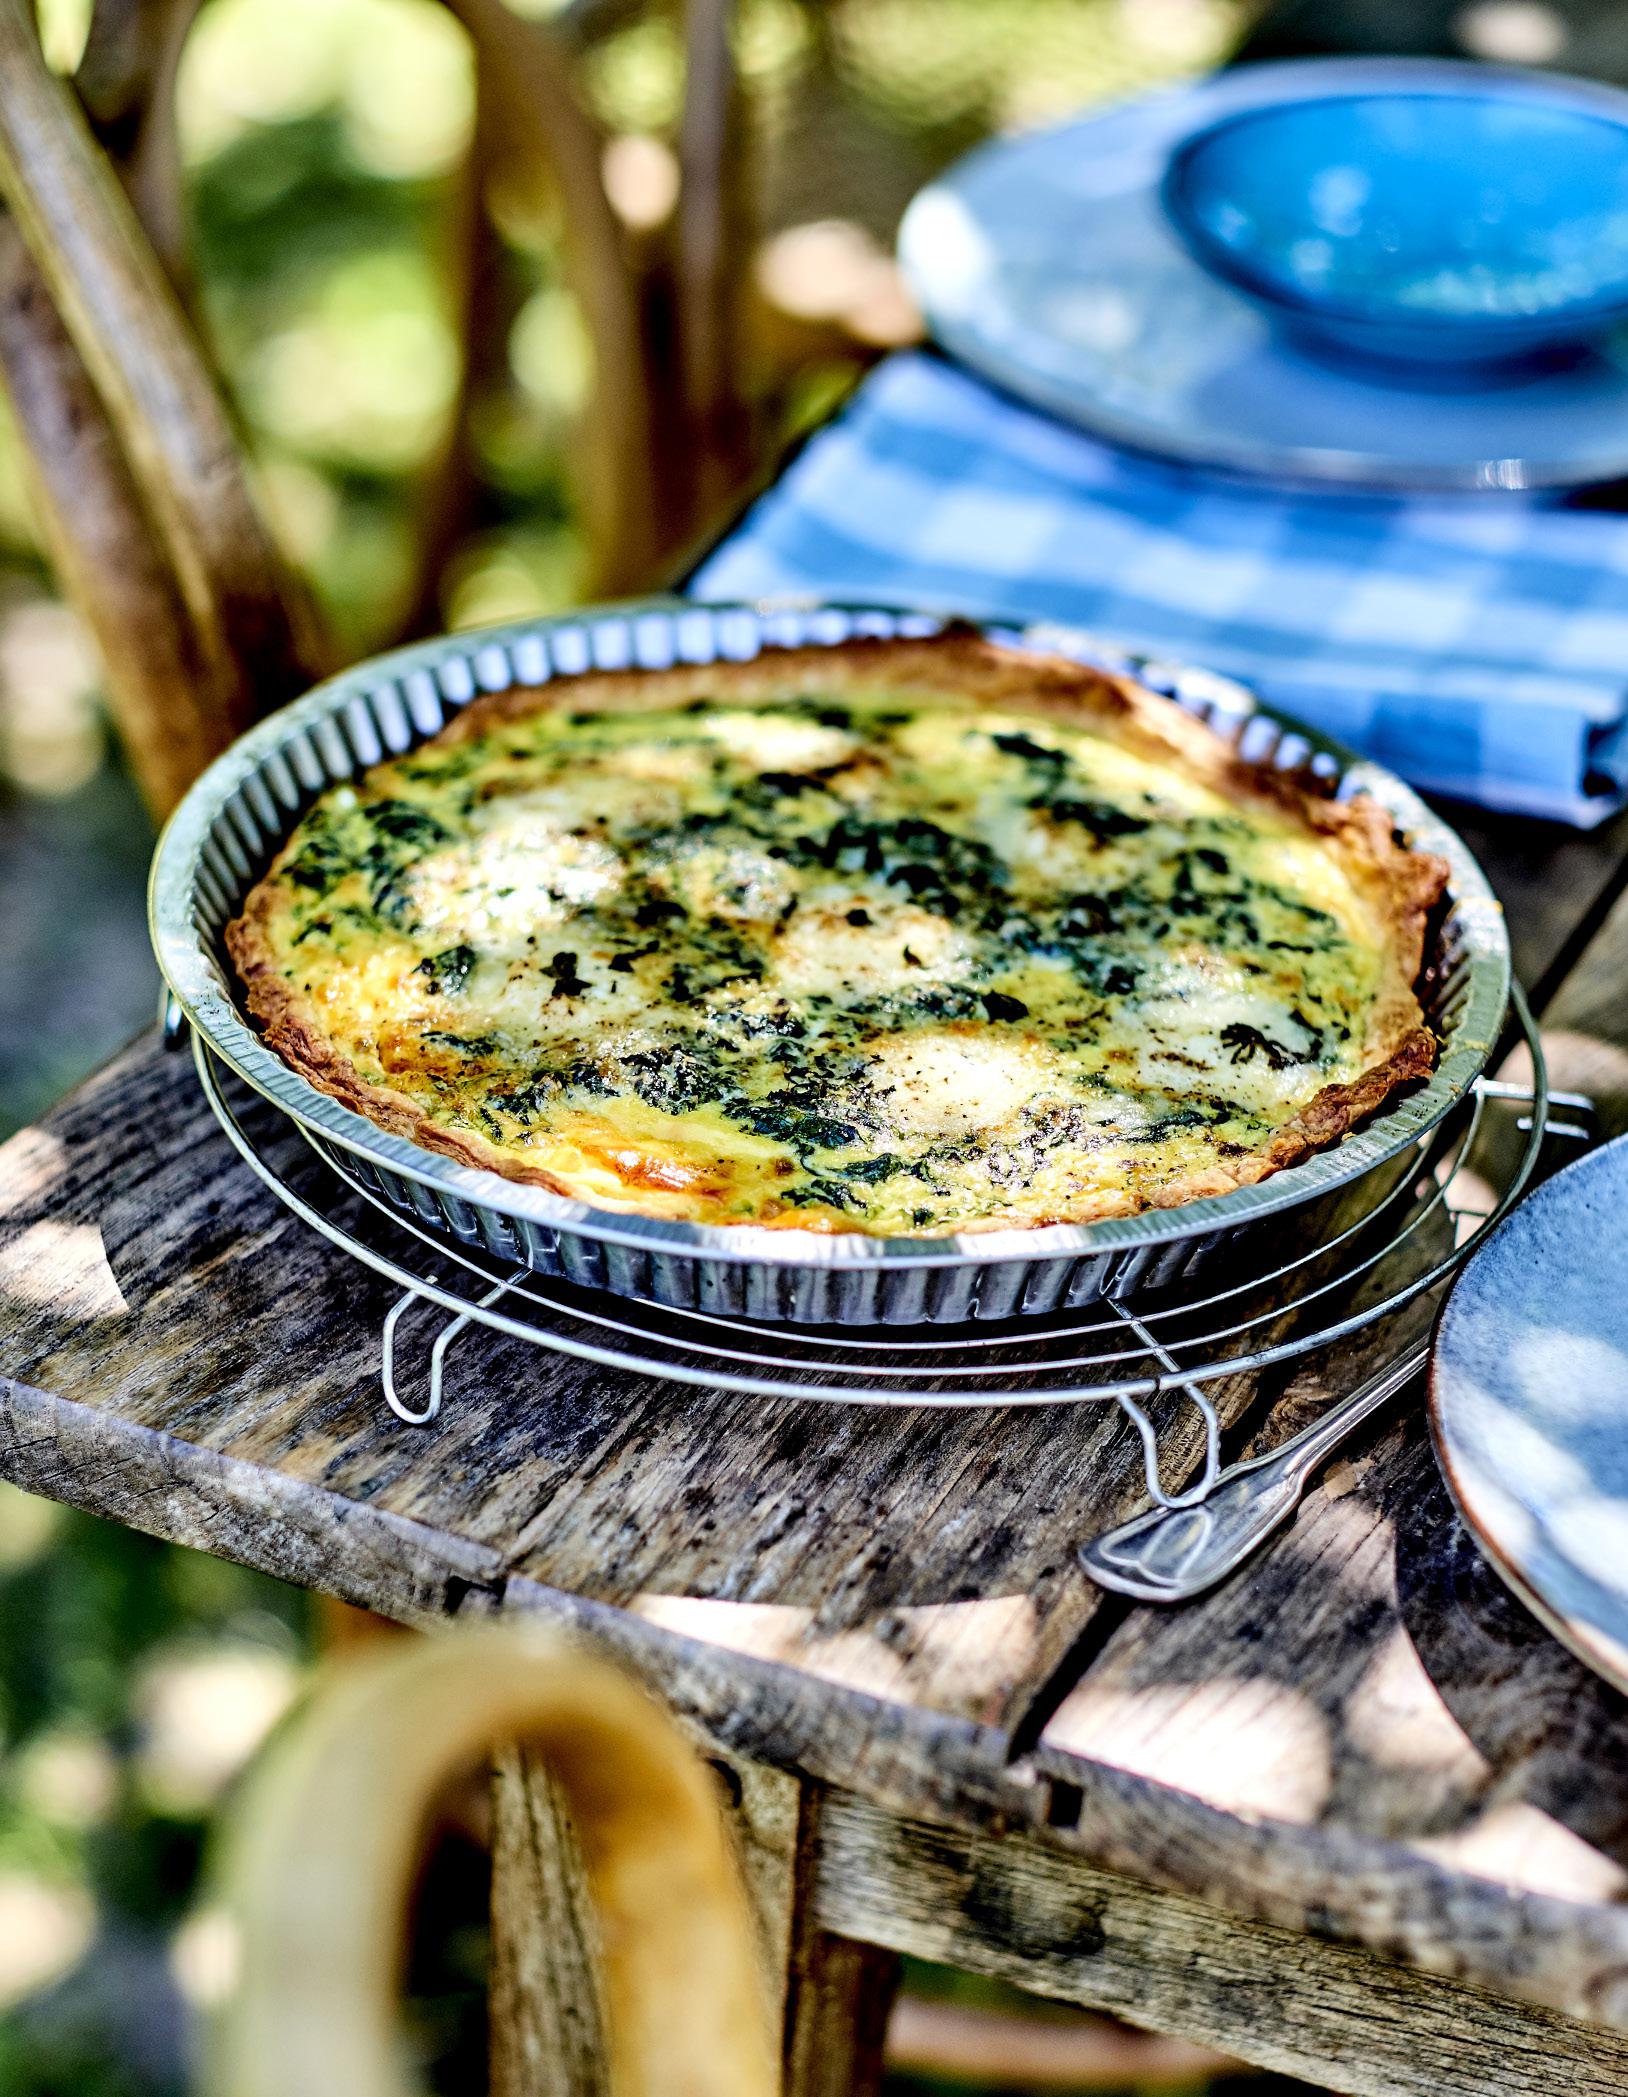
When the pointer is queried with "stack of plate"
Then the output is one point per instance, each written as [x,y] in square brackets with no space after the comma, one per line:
[1051,263]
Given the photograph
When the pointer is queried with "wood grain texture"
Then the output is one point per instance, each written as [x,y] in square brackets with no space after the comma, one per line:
[831,1995]
[839,1988]
[323,1852]
[543,141]
[1585,1026]
[842,1992]
[713,232]
[1555,884]
[546,2014]
[1371,1687]
[1371,1676]
[544,2010]
[1279,1999]
[919,1558]
[160,1309]
[126,80]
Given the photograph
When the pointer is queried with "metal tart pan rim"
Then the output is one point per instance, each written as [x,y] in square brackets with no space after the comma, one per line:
[266,779]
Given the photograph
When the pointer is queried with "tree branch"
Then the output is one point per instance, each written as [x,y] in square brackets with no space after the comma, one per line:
[126,81]
[173,710]
[712,236]
[539,128]
[446,487]
[106,284]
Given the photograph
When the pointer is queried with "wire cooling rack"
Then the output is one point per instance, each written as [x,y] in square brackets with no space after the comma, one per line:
[1133,1353]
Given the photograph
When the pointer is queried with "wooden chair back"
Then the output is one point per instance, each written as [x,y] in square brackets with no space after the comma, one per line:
[138,475]
[143,492]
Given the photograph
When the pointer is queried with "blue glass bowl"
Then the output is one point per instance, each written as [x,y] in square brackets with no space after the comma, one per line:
[1446,227]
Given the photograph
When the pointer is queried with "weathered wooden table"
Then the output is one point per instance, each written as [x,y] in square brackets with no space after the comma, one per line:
[1354,1817]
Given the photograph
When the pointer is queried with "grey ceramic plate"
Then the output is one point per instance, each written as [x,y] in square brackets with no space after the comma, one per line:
[1047,262]
[1529,1402]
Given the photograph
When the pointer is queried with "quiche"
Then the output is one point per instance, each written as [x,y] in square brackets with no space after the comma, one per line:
[899,937]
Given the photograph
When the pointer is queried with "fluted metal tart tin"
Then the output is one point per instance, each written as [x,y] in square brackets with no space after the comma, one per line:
[234,819]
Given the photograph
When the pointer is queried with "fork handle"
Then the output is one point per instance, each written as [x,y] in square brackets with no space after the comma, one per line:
[1170,1554]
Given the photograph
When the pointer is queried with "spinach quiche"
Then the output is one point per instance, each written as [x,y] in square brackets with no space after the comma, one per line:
[900,937]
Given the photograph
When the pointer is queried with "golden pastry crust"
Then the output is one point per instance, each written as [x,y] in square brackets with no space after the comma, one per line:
[1395,890]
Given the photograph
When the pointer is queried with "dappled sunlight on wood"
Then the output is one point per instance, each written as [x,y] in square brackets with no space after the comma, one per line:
[1351,1543]
[1580,1062]
[29,1164]
[1518,1845]
[965,1653]
[199,1367]
[1397,1719]
[62,1267]
[1248,1745]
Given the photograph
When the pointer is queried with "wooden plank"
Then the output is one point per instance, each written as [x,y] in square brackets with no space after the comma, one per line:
[918,1557]
[318,1538]
[190,1495]
[839,1990]
[914,1762]
[547,2017]
[837,2016]
[1585,1026]
[1372,1676]
[1280,1999]
[544,2007]
[1556,886]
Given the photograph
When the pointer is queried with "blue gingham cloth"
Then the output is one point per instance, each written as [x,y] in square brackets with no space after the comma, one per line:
[1477,646]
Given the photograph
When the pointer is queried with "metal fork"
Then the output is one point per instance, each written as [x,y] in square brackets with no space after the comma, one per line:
[1172,1554]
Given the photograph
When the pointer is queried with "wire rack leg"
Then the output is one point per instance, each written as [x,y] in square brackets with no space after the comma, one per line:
[1196,1395]
[438,1352]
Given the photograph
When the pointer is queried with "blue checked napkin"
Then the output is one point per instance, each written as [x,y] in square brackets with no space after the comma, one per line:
[1477,646]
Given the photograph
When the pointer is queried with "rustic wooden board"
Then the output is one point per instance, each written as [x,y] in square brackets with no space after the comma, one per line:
[545,2012]
[1556,886]
[1279,1999]
[912,1762]
[918,1556]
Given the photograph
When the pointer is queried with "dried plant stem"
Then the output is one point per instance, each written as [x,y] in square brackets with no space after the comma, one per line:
[251,624]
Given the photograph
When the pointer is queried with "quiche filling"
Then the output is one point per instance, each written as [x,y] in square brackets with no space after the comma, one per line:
[888,956]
